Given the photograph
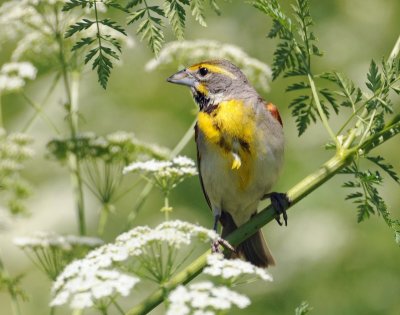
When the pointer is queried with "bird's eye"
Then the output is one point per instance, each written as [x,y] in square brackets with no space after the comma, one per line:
[203,71]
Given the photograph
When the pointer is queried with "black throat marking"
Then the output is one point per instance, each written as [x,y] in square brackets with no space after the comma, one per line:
[201,99]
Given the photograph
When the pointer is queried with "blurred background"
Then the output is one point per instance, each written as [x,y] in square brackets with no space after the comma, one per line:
[323,256]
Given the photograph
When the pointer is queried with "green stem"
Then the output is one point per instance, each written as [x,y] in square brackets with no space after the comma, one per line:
[166,209]
[39,111]
[1,114]
[16,310]
[36,114]
[395,51]
[103,219]
[72,93]
[74,162]
[321,111]
[295,194]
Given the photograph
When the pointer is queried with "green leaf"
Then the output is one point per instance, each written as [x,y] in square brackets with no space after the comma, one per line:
[298,86]
[150,30]
[137,15]
[85,41]
[71,4]
[113,25]
[104,66]
[374,78]
[388,168]
[303,309]
[303,111]
[176,15]
[133,3]
[215,7]
[197,7]
[78,27]
[91,54]
[355,195]
[283,58]
[331,100]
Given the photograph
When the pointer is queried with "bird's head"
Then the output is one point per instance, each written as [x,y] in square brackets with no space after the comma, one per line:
[212,81]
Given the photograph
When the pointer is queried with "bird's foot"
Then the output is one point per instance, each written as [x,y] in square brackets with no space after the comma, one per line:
[280,202]
[215,246]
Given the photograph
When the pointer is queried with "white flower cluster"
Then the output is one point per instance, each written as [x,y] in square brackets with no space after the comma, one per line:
[13,75]
[233,269]
[80,284]
[117,146]
[204,298]
[49,239]
[165,174]
[84,282]
[189,52]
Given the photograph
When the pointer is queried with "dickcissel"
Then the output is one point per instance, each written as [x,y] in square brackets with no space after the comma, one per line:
[240,146]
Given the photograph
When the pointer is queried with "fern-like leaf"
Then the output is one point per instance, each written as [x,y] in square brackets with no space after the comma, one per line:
[78,27]
[197,8]
[388,168]
[176,14]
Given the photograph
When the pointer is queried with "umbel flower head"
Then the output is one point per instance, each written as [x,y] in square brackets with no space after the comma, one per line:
[183,53]
[118,146]
[204,298]
[234,271]
[52,252]
[165,174]
[143,252]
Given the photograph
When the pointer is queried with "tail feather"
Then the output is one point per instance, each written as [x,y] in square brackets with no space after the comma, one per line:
[254,249]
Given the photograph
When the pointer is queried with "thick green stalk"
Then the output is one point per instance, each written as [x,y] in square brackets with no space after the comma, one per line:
[72,94]
[74,162]
[295,194]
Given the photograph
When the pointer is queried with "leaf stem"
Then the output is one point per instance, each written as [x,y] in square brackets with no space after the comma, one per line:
[39,111]
[321,111]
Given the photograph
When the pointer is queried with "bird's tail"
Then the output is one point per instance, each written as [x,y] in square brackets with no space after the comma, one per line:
[254,249]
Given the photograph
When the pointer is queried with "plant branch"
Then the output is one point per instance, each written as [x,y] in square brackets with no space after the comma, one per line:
[321,111]
[295,194]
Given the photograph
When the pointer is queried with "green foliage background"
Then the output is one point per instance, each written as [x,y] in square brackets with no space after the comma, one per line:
[323,256]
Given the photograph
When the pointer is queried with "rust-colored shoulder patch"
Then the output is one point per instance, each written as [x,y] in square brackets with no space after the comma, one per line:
[274,112]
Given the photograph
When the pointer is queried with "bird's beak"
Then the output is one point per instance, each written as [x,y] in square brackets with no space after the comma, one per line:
[182,77]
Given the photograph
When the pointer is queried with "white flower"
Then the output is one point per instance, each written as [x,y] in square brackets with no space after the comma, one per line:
[204,298]
[14,74]
[189,52]
[233,269]
[83,283]
[50,239]
[165,174]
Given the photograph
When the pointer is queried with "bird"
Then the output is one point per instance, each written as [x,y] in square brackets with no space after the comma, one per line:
[240,149]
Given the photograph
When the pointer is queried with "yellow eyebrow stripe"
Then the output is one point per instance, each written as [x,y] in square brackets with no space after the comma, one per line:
[212,68]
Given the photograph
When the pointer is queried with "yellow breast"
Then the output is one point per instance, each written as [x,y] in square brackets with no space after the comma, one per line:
[231,123]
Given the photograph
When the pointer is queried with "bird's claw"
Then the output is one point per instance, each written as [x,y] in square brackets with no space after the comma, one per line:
[280,202]
[215,246]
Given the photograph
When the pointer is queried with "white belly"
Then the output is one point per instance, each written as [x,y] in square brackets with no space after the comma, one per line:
[222,183]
